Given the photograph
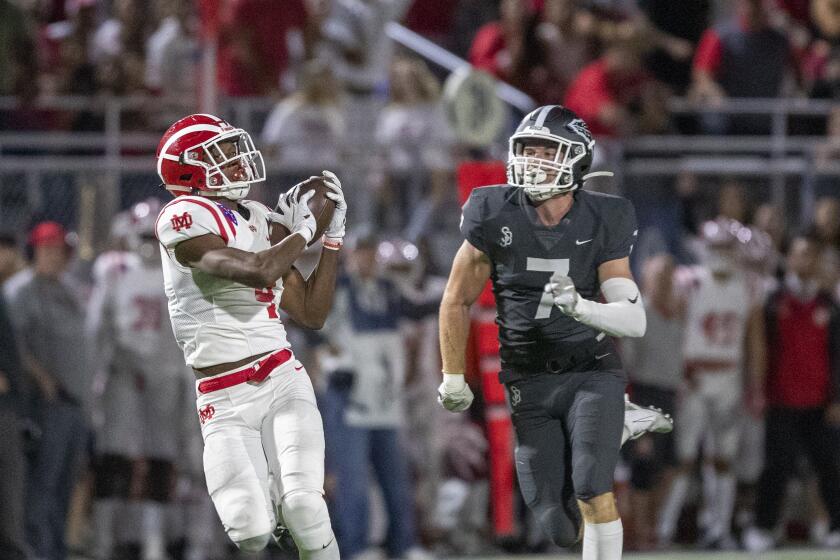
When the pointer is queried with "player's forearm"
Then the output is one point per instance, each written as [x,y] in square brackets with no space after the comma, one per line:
[320,289]
[276,261]
[454,321]
[622,315]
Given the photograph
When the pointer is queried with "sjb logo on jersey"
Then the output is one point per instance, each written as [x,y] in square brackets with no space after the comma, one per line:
[507,237]
[184,221]
[515,396]
[206,413]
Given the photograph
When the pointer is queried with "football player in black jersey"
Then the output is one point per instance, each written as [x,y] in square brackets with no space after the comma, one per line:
[550,248]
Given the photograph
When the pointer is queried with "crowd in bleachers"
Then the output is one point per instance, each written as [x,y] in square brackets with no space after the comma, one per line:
[343,98]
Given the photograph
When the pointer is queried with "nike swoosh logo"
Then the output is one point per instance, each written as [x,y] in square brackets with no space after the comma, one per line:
[602,355]
[579,242]
[634,300]
[298,368]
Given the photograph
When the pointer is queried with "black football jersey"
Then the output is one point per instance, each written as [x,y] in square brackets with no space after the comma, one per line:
[501,222]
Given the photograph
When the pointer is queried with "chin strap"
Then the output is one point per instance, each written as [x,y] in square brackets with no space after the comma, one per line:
[598,174]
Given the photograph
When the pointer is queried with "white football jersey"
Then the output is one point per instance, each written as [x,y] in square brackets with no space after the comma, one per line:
[215,320]
[127,317]
[716,320]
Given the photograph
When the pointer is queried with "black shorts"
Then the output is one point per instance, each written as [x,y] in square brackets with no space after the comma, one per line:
[568,428]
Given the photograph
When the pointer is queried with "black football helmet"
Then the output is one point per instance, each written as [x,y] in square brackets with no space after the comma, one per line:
[557,127]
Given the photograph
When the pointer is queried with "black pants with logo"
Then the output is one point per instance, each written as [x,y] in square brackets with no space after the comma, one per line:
[568,429]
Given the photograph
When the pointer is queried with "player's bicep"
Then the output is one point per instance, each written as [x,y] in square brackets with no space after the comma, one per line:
[471,269]
[209,253]
[616,268]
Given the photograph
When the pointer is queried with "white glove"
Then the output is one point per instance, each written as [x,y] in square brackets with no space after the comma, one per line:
[335,230]
[563,291]
[454,394]
[293,212]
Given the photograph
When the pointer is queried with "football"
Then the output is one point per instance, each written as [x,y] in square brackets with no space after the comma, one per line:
[321,206]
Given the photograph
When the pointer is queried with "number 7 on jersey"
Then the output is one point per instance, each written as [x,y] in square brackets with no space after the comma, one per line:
[550,266]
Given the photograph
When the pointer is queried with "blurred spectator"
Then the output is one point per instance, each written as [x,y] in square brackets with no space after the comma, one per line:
[769,219]
[118,48]
[411,268]
[172,51]
[567,36]
[67,62]
[511,50]
[305,132]
[18,61]
[49,322]
[254,44]
[675,27]
[742,57]
[802,388]
[732,201]
[364,406]
[825,19]
[13,544]
[415,144]
[359,51]
[655,372]
[615,96]
[11,259]
[827,221]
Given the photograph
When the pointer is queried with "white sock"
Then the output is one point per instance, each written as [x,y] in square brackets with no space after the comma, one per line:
[726,485]
[670,513]
[603,541]
[105,513]
[154,542]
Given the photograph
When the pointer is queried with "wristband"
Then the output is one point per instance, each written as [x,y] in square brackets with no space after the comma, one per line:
[332,243]
[454,381]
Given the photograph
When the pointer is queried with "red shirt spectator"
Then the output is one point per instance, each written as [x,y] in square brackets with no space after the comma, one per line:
[603,90]
[253,48]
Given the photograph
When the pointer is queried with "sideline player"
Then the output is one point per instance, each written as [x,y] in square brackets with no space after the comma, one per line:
[548,245]
[263,435]
[723,333]
[137,445]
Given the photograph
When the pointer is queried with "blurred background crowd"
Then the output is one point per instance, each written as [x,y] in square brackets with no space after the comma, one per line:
[706,110]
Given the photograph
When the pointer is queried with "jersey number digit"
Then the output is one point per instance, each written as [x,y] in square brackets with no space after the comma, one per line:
[551,266]
[266,295]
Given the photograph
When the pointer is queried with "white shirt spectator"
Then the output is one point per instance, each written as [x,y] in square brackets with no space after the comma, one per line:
[171,55]
[305,135]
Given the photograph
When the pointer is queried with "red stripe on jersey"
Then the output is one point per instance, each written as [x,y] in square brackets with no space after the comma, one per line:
[214,211]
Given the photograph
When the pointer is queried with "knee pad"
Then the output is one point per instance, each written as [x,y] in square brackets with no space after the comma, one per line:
[254,544]
[113,475]
[305,514]
[160,480]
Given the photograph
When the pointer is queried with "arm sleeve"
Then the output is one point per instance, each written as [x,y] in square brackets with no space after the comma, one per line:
[471,227]
[621,232]
[622,315]
[191,216]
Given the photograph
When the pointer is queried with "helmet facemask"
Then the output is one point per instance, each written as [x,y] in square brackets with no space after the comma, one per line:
[226,154]
[543,178]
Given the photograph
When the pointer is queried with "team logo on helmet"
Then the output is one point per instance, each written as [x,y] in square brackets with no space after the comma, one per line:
[578,126]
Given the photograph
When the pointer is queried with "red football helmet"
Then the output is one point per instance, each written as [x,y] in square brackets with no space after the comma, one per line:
[203,154]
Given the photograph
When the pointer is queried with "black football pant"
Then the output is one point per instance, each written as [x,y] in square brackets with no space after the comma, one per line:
[568,429]
[788,433]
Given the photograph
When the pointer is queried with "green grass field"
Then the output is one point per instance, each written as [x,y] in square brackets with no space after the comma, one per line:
[785,554]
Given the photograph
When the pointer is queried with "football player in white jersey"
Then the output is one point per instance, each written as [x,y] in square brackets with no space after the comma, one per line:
[722,328]
[137,446]
[225,273]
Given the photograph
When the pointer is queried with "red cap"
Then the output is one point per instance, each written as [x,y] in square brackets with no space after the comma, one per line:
[48,233]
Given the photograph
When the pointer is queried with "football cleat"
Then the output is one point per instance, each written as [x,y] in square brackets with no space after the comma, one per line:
[639,420]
